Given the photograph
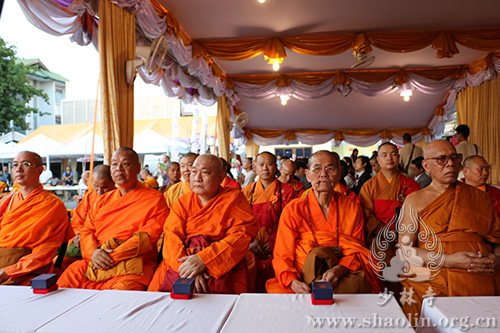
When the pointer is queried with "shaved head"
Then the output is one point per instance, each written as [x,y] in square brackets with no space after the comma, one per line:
[330,154]
[441,174]
[133,155]
[206,176]
[287,169]
[267,154]
[101,179]
[472,160]
[102,172]
[434,147]
[476,170]
[33,157]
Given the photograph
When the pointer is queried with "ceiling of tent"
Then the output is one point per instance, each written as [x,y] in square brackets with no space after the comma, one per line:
[222,19]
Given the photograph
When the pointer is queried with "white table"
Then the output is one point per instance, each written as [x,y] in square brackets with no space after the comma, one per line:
[459,314]
[136,311]
[295,313]
[23,311]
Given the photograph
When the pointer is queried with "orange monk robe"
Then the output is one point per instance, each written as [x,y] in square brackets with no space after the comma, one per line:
[267,209]
[226,219]
[339,188]
[151,183]
[494,194]
[297,186]
[39,222]
[295,239]
[176,191]
[82,210]
[140,212]
[229,182]
[379,199]
[464,219]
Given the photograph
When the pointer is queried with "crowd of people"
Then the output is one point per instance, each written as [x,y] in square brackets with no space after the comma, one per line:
[275,228]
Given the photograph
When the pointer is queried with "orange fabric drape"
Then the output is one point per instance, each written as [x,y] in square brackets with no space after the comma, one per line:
[116,46]
[223,122]
[339,135]
[479,108]
[251,149]
[445,42]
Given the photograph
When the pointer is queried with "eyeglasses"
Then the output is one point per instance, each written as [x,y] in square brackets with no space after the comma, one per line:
[443,159]
[23,165]
[330,170]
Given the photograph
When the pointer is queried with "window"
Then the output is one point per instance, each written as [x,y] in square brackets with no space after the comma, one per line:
[59,96]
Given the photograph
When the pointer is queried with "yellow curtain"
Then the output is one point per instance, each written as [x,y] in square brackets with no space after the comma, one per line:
[251,149]
[223,135]
[116,46]
[479,108]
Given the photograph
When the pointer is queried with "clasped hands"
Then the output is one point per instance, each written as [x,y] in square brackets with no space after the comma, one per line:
[262,251]
[474,262]
[193,267]
[101,258]
[332,275]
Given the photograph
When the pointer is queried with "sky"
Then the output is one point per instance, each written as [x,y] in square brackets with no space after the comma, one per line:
[78,64]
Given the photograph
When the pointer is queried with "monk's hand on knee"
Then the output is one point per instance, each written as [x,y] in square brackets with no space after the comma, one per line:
[191,266]
[300,287]
[200,285]
[334,274]
[101,258]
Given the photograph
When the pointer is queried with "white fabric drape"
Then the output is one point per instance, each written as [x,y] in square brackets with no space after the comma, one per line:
[415,82]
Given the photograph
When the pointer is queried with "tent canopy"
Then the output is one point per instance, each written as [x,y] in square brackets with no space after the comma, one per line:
[75,140]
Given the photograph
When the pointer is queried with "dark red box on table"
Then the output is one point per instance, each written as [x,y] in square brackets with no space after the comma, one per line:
[182,289]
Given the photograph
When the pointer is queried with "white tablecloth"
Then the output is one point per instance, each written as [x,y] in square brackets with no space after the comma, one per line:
[459,314]
[295,313]
[23,311]
[134,311]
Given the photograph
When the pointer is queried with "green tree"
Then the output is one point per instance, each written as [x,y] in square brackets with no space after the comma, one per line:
[15,89]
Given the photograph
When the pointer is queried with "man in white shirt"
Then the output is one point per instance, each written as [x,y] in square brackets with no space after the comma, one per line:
[45,176]
[408,153]
[248,172]
[464,147]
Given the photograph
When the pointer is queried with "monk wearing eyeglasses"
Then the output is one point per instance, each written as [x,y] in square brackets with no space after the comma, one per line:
[476,172]
[465,254]
[33,224]
[321,237]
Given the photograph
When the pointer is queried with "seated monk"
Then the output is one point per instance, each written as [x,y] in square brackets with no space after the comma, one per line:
[207,234]
[476,172]
[287,170]
[228,181]
[381,198]
[267,197]
[324,226]
[179,189]
[149,181]
[118,238]
[101,183]
[173,174]
[463,219]
[33,224]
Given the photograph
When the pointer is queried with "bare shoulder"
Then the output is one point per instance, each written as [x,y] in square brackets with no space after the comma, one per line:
[419,199]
